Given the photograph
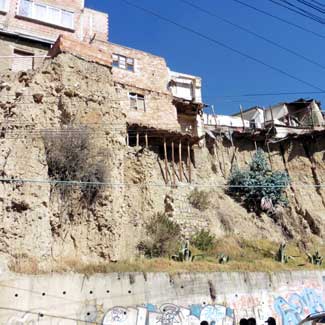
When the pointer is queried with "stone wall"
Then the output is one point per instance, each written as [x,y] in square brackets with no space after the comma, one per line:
[160,299]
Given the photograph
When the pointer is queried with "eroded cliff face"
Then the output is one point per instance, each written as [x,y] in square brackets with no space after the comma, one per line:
[39,223]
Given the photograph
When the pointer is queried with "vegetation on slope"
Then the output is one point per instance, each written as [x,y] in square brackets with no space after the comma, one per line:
[258,187]
[245,255]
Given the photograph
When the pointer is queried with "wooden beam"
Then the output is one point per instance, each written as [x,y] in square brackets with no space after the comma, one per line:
[180,161]
[272,116]
[166,160]
[146,139]
[173,163]
[137,144]
[269,154]
[242,116]
[189,163]
[214,149]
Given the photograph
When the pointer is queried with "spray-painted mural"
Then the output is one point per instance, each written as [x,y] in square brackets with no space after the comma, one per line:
[170,314]
[298,306]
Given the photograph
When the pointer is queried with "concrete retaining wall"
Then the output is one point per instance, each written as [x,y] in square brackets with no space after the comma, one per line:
[146,299]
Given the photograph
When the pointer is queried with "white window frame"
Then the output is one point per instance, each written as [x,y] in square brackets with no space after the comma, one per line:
[137,98]
[5,8]
[46,20]
[126,59]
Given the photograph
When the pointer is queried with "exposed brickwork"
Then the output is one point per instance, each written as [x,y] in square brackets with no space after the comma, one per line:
[90,52]
[149,79]
[88,25]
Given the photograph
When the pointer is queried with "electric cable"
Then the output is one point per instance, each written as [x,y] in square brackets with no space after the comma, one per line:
[300,12]
[282,20]
[221,44]
[247,30]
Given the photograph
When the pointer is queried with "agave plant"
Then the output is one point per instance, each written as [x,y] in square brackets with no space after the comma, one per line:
[185,253]
[316,258]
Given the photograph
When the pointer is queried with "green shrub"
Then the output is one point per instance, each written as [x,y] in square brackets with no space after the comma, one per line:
[199,199]
[203,240]
[163,236]
[71,156]
[258,187]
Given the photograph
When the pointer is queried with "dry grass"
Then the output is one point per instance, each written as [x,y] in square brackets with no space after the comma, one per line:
[245,256]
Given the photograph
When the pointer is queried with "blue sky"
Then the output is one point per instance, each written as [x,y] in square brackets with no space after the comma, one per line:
[224,72]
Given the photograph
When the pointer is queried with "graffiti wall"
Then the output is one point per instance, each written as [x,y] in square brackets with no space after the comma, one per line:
[158,299]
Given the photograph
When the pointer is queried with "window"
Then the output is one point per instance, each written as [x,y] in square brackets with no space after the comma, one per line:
[22,61]
[45,13]
[3,5]
[137,102]
[122,62]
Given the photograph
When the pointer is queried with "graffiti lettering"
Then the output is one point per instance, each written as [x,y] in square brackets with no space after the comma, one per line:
[170,314]
[298,306]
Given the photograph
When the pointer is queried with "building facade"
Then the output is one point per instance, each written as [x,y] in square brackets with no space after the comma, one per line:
[28,29]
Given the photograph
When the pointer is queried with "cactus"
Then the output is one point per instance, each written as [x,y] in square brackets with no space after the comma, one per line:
[184,254]
[281,255]
[222,258]
[315,259]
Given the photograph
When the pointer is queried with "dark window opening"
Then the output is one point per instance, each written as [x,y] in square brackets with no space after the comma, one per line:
[204,323]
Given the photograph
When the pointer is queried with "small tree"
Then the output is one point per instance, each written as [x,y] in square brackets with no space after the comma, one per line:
[203,240]
[199,199]
[163,236]
[71,156]
[258,187]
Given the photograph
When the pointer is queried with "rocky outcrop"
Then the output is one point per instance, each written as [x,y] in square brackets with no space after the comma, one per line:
[39,221]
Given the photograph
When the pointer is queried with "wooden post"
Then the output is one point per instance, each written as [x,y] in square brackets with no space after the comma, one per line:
[255,145]
[272,115]
[166,161]
[268,150]
[264,117]
[242,116]
[137,144]
[189,162]
[146,138]
[312,116]
[173,163]
[180,161]
[127,138]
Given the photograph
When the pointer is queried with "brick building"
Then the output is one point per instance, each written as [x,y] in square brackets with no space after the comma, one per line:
[163,107]
[28,28]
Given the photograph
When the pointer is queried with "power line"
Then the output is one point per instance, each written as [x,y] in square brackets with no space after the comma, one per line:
[122,184]
[285,21]
[312,6]
[299,11]
[276,44]
[221,44]
[43,315]
[319,3]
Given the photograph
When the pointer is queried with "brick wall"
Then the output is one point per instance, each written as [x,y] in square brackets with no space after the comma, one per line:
[150,73]
[149,79]
[9,44]
[86,22]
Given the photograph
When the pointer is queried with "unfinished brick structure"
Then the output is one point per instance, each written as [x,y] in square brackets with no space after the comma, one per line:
[163,107]
[146,90]
[28,28]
